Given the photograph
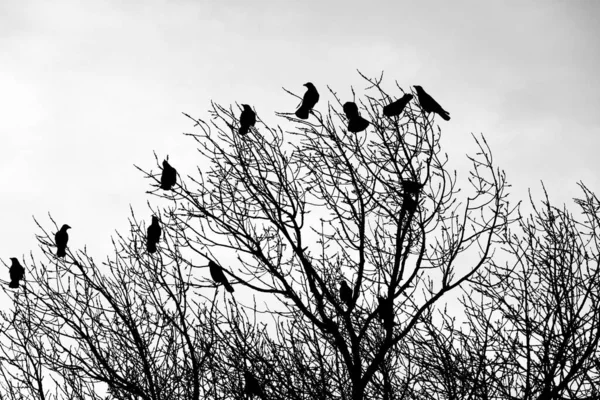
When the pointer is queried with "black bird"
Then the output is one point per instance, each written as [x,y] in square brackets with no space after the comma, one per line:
[386,312]
[356,123]
[411,187]
[251,387]
[311,97]
[17,272]
[247,119]
[397,106]
[216,272]
[153,236]
[169,176]
[429,105]
[345,293]
[61,238]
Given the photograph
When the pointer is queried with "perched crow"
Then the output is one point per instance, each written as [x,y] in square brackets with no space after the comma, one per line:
[311,97]
[351,110]
[345,293]
[386,312]
[397,106]
[247,119]
[17,272]
[153,236]
[411,187]
[428,104]
[251,387]
[216,272]
[61,238]
[169,176]
[356,123]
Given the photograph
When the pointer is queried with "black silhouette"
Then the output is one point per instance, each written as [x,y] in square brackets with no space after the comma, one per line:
[428,104]
[247,119]
[386,312]
[251,387]
[397,106]
[216,272]
[169,176]
[61,238]
[411,187]
[409,204]
[345,293]
[153,236]
[356,123]
[311,97]
[17,272]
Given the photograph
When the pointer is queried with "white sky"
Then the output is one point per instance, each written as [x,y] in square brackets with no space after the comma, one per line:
[87,89]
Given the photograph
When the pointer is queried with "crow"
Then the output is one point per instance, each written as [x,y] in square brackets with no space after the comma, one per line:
[386,312]
[153,236]
[17,272]
[169,176]
[61,238]
[251,387]
[428,104]
[216,272]
[311,97]
[356,123]
[345,293]
[247,119]
[397,106]
[351,110]
[411,187]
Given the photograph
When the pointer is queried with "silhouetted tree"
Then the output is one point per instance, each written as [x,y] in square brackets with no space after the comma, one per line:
[294,214]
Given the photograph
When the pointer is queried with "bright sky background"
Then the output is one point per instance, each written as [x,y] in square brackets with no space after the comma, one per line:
[87,89]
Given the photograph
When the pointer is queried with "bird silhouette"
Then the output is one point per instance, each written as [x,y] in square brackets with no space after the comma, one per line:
[216,272]
[169,176]
[247,119]
[153,235]
[61,238]
[17,272]
[428,104]
[251,387]
[411,187]
[311,97]
[345,293]
[386,312]
[356,123]
[396,108]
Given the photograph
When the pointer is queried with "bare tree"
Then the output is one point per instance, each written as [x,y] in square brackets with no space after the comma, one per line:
[533,322]
[288,215]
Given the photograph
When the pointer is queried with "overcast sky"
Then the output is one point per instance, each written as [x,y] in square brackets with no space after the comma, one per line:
[87,89]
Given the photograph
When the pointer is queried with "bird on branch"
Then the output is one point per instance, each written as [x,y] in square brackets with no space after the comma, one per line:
[169,176]
[17,273]
[429,105]
[311,97]
[216,272]
[356,123]
[153,236]
[345,293]
[396,108]
[247,119]
[61,238]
